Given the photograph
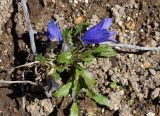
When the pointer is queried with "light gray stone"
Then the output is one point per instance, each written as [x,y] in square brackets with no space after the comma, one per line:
[155,93]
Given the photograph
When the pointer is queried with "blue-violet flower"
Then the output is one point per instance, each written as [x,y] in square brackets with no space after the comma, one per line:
[99,33]
[53,32]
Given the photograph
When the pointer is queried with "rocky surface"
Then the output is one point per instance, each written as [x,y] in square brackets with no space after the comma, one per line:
[6,10]
[136,73]
[40,107]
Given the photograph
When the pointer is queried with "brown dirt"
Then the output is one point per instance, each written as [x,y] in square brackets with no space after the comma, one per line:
[135,82]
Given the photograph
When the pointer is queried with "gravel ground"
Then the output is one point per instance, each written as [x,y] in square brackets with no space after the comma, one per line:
[136,73]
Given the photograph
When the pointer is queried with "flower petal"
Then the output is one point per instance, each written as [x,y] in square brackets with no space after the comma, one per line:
[53,32]
[112,33]
[107,23]
[97,36]
[99,33]
[103,24]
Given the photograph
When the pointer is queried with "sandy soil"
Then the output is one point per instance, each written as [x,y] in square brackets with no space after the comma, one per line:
[136,73]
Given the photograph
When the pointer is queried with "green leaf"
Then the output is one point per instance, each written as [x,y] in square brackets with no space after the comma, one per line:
[66,35]
[65,57]
[98,98]
[40,58]
[108,54]
[80,28]
[56,76]
[88,78]
[76,85]
[63,91]
[60,68]
[87,58]
[75,88]
[103,50]
[100,48]
[80,65]
[113,85]
[74,109]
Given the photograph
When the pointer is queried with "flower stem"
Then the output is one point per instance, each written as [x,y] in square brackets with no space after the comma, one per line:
[133,47]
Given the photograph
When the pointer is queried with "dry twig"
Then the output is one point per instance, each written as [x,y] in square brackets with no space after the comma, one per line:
[27,64]
[134,47]
[9,71]
[14,82]
[28,26]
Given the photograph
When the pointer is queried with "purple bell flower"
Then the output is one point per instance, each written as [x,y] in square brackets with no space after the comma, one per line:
[53,32]
[99,33]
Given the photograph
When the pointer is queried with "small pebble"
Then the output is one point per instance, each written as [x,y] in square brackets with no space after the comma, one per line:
[121,39]
[78,20]
[130,25]
[130,55]
[54,1]
[156,24]
[153,72]
[150,114]
[86,1]
[70,1]
[110,72]
[153,43]
[118,12]
[76,1]
[122,92]
[120,23]
[155,93]
[103,110]
[157,35]
[146,65]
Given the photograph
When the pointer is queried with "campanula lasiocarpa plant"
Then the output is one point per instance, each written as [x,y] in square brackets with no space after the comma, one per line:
[77,49]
